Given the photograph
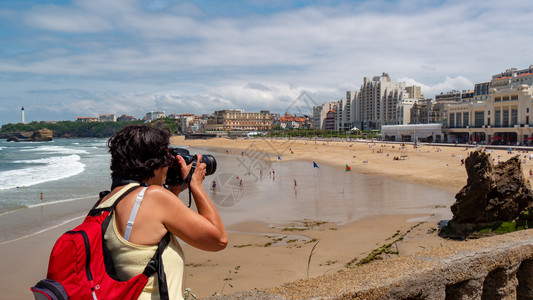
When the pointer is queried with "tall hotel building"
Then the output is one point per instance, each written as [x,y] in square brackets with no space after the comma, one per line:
[237,119]
[379,102]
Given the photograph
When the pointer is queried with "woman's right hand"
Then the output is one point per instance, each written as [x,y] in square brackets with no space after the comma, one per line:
[199,173]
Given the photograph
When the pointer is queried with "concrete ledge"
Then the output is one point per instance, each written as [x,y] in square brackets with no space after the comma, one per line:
[499,267]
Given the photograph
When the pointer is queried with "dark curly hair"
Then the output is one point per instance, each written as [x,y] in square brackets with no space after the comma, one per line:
[137,151]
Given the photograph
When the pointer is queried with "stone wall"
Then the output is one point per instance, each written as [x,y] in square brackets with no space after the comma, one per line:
[499,267]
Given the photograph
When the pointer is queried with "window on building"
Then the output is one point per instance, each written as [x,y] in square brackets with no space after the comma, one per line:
[497,99]
[452,121]
[514,117]
[459,120]
[498,118]
[479,118]
[466,119]
[505,118]
[514,97]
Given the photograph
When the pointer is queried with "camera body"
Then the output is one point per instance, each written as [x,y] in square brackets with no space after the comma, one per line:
[174,177]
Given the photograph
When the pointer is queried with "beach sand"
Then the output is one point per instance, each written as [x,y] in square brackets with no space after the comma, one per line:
[261,254]
[251,262]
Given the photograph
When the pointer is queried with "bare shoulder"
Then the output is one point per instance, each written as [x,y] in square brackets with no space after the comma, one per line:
[161,196]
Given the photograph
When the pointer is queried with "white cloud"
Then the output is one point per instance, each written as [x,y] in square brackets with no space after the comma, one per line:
[184,58]
[459,83]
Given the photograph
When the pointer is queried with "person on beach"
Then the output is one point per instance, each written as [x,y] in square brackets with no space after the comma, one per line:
[41,197]
[140,153]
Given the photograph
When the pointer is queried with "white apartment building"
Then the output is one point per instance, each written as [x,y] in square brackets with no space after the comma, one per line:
[378,102]
[107,118]
[185,122]
[505,117]
[320,113]
[154,115]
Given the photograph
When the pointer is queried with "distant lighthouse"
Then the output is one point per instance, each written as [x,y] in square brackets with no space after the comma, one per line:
[22,113]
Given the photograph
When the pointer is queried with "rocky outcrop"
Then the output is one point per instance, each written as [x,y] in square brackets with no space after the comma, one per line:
[494,194]
[43,135]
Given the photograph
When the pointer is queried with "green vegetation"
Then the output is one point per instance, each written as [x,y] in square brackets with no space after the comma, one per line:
[503,227]
[83,129]
[384,249]
[363,134]
[230,277]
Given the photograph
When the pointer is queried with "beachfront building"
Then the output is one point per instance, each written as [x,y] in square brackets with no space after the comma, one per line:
[238,119]
[345,112]
[330,123]
[503,117]
[86,119]
[154,115]
[185,122]
[289,121]
[413,133]
[429,111]
[107,118]
[125,118]
[197,124]
[320,113]
[379,102]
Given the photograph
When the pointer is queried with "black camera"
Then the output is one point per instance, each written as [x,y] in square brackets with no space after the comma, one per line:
[174,177]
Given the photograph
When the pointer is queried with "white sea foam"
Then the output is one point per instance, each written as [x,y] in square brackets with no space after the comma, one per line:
[41,170]
[54,149]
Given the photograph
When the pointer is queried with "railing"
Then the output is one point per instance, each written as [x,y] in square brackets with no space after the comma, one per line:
[499,267]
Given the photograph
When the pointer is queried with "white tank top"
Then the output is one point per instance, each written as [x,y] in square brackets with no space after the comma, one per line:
[130,259]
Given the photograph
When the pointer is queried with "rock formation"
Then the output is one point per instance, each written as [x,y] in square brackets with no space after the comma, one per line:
[42,135]
[494,194]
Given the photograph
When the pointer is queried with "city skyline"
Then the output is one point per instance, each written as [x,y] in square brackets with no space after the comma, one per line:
[66,59]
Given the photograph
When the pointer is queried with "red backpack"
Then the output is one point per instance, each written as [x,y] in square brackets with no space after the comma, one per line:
[81,267]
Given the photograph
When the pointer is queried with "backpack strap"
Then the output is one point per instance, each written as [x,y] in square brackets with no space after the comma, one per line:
[121,194]
[156,265]
[133,214]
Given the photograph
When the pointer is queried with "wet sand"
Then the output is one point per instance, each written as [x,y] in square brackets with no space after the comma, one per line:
[272,236]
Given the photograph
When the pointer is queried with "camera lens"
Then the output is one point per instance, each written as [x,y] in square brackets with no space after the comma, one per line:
[174,172]
[210,163]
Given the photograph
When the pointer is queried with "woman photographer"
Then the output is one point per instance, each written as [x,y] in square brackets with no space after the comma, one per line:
[140,154]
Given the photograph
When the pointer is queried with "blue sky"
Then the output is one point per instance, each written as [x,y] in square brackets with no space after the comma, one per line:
[65,59]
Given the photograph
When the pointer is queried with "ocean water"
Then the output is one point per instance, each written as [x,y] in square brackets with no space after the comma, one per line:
[63,170]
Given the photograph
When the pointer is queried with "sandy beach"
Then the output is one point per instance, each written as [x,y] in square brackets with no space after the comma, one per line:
[264,254]
[251,262]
